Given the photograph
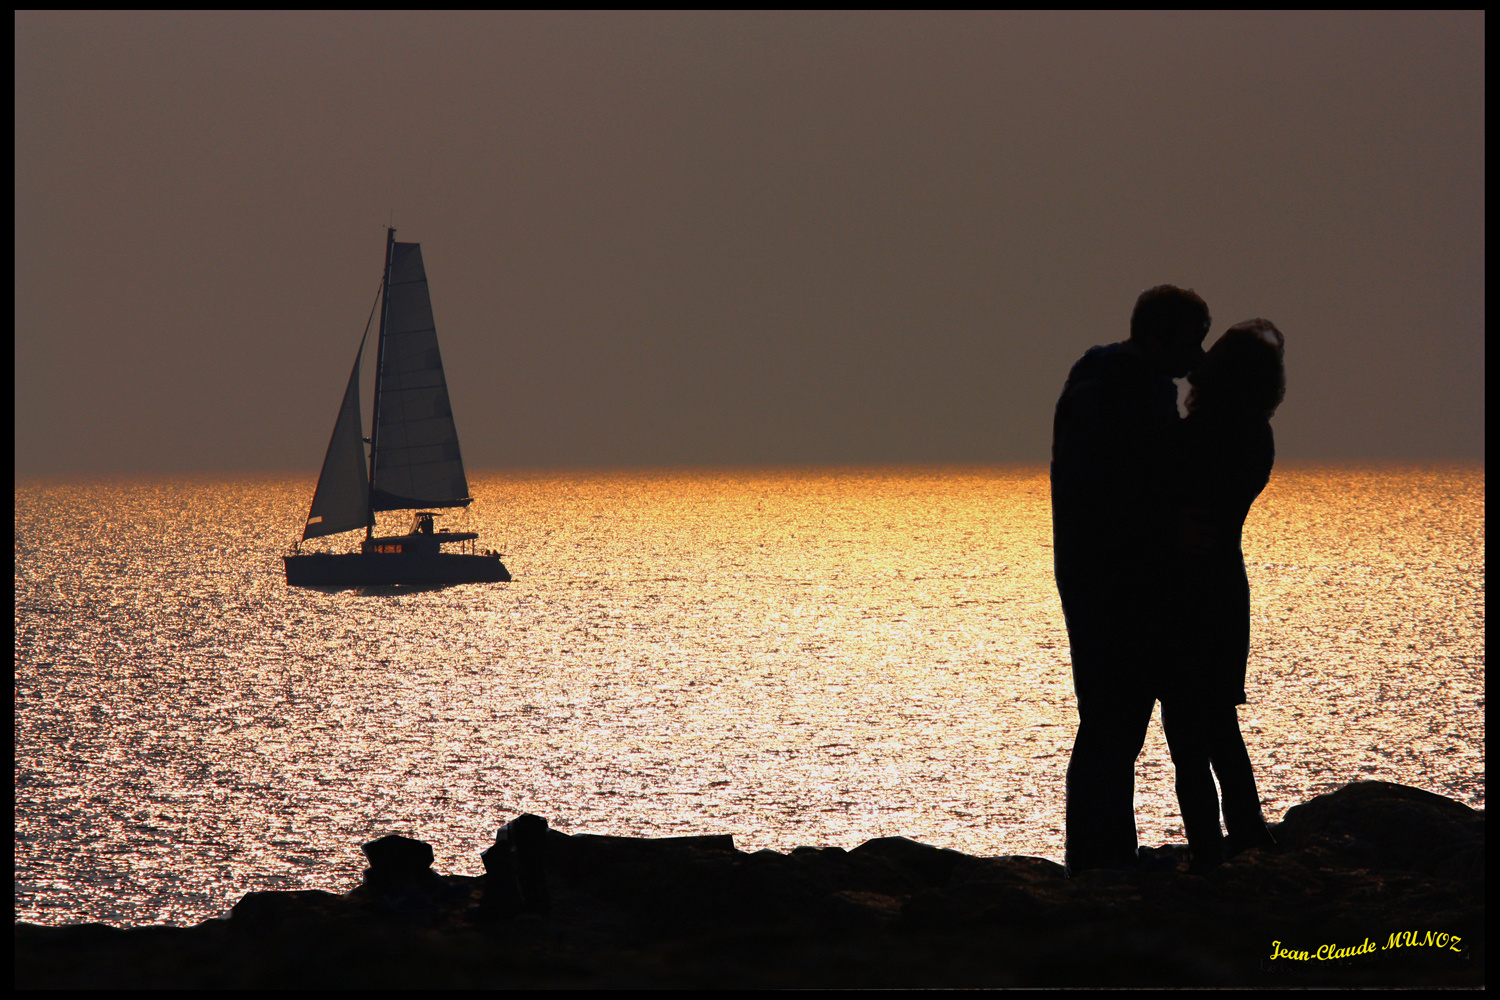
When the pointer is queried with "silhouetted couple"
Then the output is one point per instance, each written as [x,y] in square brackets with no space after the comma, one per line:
[1147,511]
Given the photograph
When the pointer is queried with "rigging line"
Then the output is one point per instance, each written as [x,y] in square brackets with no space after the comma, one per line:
[379,287]
[373,306]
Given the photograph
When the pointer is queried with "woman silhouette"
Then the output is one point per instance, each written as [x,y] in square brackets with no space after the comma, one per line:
[1226,453]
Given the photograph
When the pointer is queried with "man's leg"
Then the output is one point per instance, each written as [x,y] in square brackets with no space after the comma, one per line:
[1101,778]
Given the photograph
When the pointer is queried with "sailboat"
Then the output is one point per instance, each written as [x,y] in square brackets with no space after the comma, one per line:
[414,458]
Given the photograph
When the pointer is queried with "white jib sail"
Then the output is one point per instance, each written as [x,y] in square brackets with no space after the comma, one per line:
[340,502]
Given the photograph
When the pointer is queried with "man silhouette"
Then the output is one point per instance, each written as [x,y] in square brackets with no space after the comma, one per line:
[1111,519]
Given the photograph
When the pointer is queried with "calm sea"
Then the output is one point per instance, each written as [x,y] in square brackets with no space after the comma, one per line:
[794,658]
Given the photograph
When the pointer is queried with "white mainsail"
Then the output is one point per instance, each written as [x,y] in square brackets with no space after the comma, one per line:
[417,462]
[341,501]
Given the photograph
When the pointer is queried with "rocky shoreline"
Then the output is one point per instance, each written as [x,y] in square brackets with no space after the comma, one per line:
[1373,885]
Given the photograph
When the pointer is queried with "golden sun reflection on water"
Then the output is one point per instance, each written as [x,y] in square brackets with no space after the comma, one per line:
[794,658]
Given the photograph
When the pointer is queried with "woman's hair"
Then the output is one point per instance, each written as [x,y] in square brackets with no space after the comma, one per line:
[1242,372]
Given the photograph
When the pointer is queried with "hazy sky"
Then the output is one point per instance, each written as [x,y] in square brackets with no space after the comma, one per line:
[734,239]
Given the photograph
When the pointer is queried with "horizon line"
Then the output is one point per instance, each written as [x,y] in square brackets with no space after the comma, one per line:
[808,468]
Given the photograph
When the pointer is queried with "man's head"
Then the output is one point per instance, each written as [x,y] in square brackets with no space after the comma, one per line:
[1169,324]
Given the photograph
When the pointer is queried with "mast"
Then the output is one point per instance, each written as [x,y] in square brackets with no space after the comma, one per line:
[385,292]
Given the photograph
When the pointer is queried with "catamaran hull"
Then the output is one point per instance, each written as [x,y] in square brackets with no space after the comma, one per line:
[359,569]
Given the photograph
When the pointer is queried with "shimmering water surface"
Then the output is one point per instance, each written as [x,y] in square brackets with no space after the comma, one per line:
[793,658]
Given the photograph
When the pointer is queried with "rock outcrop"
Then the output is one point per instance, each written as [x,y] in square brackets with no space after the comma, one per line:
[1375,884]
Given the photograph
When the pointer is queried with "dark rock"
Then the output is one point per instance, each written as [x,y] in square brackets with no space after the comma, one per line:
[1372,863]
[275,910]
[1023,868]
[1376,824]
[502,891]
[1168,858]
[400,879]
[971,904]
[928,865]
[678,882]
[855,907]
[515,870]
[397,859]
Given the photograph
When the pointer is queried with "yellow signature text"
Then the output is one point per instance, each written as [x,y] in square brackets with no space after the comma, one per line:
[1398,939]
[1422,939]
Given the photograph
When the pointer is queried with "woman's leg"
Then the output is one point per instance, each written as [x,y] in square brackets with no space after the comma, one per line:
[1231,763]
[1196,794]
